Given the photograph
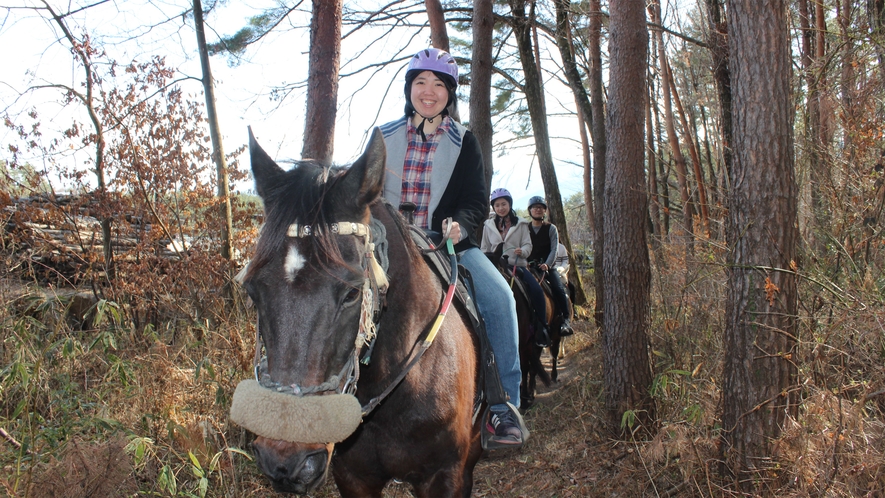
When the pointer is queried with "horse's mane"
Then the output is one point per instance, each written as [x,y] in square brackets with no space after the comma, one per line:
[401,227]
[297,196]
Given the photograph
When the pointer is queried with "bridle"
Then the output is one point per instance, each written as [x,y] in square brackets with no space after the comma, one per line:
[374,290]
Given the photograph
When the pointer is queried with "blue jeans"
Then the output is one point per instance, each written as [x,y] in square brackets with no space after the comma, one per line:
[495,302]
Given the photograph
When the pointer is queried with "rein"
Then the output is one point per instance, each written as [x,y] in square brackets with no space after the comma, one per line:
[374,290]
[425,344]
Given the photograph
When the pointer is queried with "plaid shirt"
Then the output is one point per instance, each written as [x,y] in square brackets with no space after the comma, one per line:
[417,168]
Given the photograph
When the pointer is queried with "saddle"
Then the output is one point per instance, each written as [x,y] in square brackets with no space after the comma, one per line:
[541,277]
[464,291]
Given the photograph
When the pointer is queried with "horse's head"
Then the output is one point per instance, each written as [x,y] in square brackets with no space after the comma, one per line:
[312,279]
[497,258]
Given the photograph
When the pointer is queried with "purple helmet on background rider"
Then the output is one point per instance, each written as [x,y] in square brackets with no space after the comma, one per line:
[500,193]
[443,66]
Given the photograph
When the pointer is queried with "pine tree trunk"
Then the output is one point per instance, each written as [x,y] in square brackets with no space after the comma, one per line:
[322,81]
[439,36]
[481,84]
[627,367]
[223,187]
[534,93]
[759,374]
[598,132]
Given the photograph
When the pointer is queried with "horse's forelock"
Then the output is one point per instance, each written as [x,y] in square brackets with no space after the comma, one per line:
[299,197]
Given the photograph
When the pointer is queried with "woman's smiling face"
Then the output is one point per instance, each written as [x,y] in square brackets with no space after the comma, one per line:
[429,94]
[501,207]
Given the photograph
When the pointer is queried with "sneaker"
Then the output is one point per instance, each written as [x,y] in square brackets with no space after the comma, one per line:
[566,328]
[505,428]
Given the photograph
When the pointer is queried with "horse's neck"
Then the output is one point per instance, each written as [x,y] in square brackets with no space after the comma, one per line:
[415,292]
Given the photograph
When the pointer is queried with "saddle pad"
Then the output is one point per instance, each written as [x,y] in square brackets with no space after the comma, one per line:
[438,261]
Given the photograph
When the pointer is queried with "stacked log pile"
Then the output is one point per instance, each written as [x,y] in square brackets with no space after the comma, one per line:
[61,232]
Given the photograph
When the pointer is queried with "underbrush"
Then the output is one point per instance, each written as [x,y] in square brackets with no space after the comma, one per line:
[108,409]
[96,403]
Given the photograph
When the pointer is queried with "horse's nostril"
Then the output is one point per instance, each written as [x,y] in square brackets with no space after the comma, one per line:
[314,464]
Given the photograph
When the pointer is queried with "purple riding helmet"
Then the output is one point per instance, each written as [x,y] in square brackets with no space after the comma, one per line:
[443,66]
[436,60]
[500,193]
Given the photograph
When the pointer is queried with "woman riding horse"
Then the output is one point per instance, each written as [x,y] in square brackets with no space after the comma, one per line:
[434,162]
[513,232]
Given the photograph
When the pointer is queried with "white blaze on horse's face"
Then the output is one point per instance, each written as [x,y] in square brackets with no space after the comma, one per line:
[294,262]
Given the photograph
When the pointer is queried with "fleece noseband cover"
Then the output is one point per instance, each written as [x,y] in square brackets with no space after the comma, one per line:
[286,417]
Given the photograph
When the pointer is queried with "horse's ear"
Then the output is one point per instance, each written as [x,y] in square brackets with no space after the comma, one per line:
[499,251]
[365,178]
[264,169]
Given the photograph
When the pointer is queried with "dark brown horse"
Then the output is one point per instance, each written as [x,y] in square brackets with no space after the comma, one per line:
[314,280]
[529,354]
[554,319]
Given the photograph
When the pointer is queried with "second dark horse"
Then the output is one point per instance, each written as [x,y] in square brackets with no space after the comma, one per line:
[529,354]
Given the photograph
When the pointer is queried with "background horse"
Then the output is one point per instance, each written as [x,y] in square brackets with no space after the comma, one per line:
[529,354]
[554,320]
[308,282]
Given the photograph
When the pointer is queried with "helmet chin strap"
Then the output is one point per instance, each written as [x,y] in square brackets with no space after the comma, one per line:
[424,119]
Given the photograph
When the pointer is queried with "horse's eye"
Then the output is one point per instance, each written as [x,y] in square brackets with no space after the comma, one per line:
[353,295]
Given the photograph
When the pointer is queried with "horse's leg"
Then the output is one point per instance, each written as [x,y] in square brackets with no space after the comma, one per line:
[533,385]
[473,456]
[526,395]
[454,481]
[554,356]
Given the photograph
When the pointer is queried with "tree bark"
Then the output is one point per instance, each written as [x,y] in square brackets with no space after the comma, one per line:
[667,89]
[223,188]
[322,81]
[534,93]
[662,169]
[439,36]
[481,84]
[598,133]
[759,375]
[585,115]
[718,41]
[653,202]
[692,150]
[676,154]
[627,366]
[570,68]
[588,168]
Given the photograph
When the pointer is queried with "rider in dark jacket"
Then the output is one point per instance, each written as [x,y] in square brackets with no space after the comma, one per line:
[545,241]
[435,162]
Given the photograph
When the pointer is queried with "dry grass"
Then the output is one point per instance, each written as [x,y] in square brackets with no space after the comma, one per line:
[147,415]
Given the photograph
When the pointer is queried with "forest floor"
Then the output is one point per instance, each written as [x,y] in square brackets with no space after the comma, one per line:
[158,396]
[569,452]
